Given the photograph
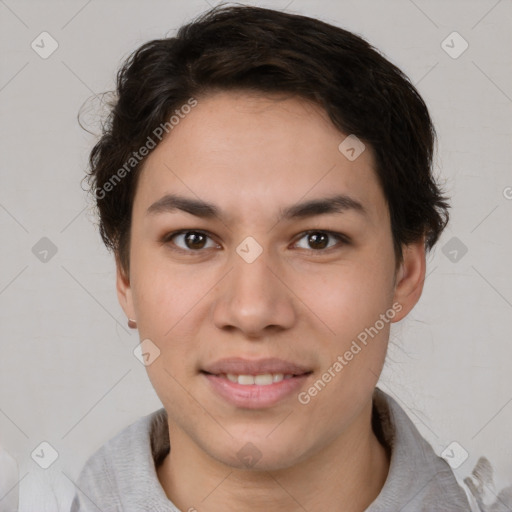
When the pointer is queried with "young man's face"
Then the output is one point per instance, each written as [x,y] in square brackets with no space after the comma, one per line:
[254,286]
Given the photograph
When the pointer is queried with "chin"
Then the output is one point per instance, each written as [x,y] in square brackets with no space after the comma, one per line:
[259,453]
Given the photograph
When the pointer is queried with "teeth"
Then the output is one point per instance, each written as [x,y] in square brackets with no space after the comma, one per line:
[245,379]
[263,380]
[260,380]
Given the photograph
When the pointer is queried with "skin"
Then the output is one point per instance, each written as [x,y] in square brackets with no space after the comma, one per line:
[252,155]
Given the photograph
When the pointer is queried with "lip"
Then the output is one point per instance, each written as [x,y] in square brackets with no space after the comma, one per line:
[241,366]
[254,396]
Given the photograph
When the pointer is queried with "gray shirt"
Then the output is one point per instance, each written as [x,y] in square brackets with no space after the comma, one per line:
[121,474]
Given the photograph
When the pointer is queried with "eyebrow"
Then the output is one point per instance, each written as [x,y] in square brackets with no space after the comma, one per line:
[334,204]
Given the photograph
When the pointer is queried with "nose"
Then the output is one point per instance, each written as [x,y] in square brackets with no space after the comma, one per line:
[254,299]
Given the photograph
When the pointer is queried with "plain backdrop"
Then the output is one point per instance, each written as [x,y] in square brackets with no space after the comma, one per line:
[68,375]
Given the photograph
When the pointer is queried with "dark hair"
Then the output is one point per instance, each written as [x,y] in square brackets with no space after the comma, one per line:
[268,51]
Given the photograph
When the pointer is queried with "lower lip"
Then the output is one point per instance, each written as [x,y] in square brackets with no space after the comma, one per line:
[253,396]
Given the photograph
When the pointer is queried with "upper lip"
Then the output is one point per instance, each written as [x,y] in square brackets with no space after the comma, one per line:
[240,366]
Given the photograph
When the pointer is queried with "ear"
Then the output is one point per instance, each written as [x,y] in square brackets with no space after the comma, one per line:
[124,291]
[410,278]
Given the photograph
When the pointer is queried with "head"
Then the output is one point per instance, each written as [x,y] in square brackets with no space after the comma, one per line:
[265,183]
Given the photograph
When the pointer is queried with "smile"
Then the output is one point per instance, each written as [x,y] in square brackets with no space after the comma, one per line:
[259,391]
[264,379]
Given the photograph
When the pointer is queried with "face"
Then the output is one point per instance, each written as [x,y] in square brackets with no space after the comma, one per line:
[270,304]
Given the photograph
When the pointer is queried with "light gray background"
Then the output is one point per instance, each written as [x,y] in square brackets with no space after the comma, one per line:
[68,375]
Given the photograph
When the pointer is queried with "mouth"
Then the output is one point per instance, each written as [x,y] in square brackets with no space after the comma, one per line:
[255,367]
[255,384]
[262,379]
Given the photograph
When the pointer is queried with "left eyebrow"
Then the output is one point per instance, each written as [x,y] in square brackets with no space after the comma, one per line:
[335,204]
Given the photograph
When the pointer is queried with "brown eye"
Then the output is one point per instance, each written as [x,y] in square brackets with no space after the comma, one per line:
[194,240]
[319,240]
[190,241]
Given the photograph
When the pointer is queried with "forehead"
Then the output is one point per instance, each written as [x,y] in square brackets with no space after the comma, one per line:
[247,151]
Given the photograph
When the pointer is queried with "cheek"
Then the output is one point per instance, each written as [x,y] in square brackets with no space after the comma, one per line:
[354,348]
[164,295]
[350,297]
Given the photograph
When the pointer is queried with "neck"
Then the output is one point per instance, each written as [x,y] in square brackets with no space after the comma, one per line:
[347,474]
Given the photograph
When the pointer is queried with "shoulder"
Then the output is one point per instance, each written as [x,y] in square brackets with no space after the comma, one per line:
[115,473]
[418,478]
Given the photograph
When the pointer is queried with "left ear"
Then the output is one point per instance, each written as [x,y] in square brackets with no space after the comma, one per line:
[410,278]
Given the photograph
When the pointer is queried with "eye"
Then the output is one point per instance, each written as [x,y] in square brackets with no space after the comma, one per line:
[194,241]
[191,240]
[319,240]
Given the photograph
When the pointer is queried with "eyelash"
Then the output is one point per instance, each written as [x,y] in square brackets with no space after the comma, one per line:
[345,240]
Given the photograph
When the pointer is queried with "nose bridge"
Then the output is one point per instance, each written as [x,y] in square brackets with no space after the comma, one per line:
[252,297]
[251,279]
[250,260]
